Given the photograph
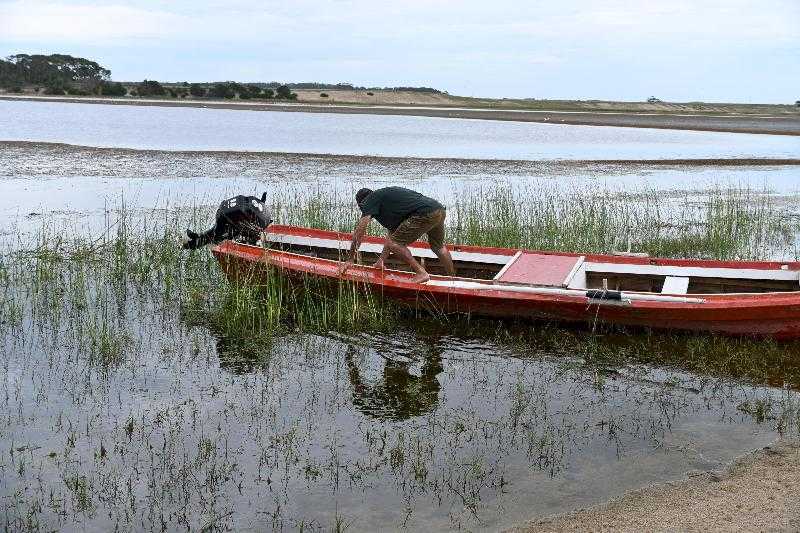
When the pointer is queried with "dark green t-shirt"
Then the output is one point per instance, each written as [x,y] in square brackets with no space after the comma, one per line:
[392,205]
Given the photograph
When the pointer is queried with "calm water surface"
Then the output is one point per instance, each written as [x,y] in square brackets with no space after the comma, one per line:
[428,427]
[165,128]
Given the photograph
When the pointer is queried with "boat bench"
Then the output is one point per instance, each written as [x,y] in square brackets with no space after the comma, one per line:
[542,270]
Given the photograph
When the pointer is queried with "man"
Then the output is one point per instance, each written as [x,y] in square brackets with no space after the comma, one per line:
[241,218]
[407,215]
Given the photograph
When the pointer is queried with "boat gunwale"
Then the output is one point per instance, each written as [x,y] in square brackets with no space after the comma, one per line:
[378,277]
[589,257]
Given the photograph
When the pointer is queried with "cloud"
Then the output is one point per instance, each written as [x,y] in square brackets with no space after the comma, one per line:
[487,47]
[48,22]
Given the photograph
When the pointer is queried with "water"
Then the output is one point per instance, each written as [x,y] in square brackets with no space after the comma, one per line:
[216,129]
[75,187]
[432,426]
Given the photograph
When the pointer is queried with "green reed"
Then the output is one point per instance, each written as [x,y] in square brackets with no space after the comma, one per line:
[722,224]
[86,283]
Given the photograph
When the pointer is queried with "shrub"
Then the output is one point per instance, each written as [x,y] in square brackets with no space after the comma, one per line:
[285,92]
[197,90]
[269,93]
[15,89]
[55,87]
[323,95]
[150,88]
[75,91]
[221,90]
[107,88]
[370,94]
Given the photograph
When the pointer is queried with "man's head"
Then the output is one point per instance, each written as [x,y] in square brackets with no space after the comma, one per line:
[361,194]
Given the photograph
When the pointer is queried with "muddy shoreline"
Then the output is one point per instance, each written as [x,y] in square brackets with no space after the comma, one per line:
[759,490]
[767,125]
[378,159]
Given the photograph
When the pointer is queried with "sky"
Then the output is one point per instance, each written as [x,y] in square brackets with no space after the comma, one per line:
[677,50]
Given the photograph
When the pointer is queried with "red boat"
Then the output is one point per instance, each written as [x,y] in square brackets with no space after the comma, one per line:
[729,297]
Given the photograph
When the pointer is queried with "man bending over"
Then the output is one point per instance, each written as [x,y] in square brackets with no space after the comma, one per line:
[407,215]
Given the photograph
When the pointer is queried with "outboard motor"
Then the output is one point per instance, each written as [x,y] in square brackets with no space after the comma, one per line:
[241,218]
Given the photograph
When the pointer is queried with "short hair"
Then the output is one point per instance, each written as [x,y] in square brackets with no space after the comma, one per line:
[361,194]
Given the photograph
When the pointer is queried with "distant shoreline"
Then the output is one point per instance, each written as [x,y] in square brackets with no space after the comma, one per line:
[730,123]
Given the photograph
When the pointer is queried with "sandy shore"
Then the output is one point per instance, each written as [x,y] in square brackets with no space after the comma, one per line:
[735,123]
[759,492]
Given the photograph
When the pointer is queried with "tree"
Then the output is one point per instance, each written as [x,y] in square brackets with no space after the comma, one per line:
[285,92]
[269,93]
[197,90]
[150,88]
[50,69]
[254,90]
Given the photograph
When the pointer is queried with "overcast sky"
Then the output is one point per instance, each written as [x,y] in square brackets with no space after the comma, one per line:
[680,50]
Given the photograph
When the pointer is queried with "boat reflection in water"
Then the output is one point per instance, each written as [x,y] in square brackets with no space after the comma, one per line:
[398,394]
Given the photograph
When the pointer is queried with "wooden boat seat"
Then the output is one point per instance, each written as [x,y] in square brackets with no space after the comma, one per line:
[675,285]
[544,270]
[368,247]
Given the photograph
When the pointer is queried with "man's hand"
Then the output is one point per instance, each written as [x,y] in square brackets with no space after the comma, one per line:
[345,266]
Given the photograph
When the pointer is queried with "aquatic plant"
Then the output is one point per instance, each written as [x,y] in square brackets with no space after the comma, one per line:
[146,391]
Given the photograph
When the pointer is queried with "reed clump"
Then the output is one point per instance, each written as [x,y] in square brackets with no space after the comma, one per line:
[723,223]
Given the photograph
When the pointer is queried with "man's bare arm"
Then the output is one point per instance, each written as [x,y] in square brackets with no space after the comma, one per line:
[358,234]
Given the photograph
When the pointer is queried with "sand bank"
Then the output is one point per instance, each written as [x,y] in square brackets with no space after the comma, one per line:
[759,492]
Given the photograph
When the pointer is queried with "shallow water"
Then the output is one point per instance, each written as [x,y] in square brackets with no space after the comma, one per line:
[431,426]
[167,128]
[410,430]
[67,186]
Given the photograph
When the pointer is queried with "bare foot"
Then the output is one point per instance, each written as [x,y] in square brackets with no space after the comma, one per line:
[420,278]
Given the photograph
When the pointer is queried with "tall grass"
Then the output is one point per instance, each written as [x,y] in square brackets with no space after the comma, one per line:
[84,281]
[722,224]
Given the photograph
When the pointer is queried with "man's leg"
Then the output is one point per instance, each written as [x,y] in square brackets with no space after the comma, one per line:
[446,260]
[404,253]
[436,241]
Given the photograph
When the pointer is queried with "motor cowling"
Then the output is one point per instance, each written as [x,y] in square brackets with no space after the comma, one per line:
[240,218]
[244,218]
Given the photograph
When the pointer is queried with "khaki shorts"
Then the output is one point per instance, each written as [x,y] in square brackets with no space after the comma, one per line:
[415,226]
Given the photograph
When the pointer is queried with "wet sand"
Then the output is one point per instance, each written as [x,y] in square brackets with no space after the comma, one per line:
[759,124]
[759,492]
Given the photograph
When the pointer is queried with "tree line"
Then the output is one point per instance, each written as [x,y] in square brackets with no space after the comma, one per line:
[60,74]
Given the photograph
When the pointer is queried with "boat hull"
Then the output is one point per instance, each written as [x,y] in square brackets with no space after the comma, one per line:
[775,315]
